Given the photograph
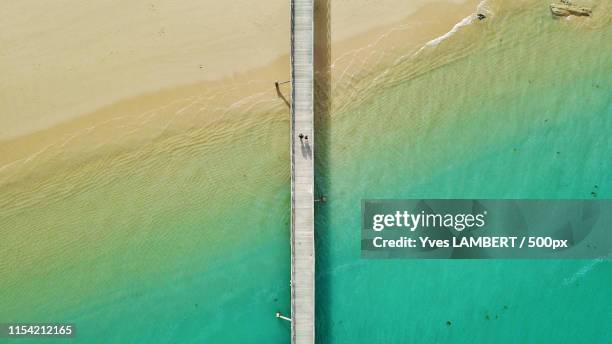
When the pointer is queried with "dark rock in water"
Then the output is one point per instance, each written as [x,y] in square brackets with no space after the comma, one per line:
[448,323]
[565,8]
[481,16]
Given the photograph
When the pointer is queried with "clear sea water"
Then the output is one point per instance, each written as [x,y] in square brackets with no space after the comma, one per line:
[516,106]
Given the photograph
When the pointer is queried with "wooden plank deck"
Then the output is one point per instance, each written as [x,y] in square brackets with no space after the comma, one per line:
[302,174]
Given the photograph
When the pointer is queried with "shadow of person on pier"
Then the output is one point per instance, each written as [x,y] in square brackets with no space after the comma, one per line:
[322,108]
[306,150]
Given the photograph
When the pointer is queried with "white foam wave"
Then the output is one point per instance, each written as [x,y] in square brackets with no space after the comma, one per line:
[464,22]
[482,8]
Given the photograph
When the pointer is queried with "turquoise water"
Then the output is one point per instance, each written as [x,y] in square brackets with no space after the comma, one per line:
[177,242]
[521,108]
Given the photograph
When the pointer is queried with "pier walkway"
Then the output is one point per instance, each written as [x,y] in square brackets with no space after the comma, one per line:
[302,174]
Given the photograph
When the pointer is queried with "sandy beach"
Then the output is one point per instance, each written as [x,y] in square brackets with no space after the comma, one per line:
[71,68]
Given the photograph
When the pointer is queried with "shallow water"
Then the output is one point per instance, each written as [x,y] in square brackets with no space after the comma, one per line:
[176,239]
[516,106]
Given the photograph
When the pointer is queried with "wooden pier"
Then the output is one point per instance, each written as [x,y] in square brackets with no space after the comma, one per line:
[302,174]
